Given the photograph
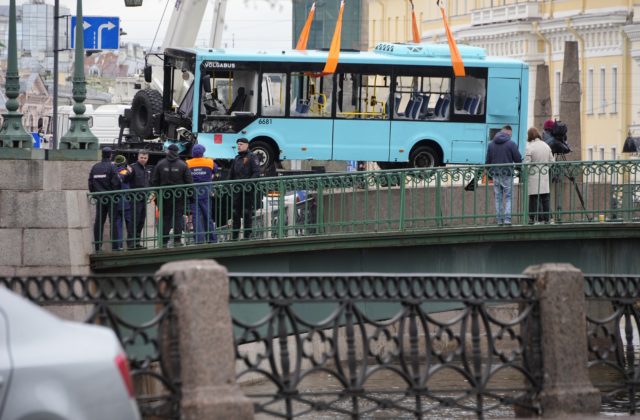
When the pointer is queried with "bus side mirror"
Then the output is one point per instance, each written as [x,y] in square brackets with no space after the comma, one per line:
[147,74]
[206,83]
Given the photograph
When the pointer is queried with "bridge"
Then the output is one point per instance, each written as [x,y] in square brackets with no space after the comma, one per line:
[412,220]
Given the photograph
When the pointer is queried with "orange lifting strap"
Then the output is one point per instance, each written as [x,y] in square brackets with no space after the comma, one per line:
[456,58]
[304,35]
[414,25]
[334,51]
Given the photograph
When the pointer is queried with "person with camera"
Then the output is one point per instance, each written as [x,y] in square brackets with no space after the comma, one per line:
[556,138]
[547,128]
[502,150]
[537,151]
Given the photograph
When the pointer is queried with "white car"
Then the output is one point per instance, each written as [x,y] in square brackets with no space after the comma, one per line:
[56,369]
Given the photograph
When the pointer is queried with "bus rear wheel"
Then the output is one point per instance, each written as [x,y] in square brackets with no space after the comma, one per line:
[265,153]
[424,157]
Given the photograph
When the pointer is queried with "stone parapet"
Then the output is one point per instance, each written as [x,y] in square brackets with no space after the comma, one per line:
[45,217]
[207,355]
[566,388]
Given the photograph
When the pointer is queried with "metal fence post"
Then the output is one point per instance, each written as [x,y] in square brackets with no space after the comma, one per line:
[403,198]
[207,352]
[566,387]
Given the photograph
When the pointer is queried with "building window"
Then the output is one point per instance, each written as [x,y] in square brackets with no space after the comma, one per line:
[603,91]
[614,153]
[556,99]
[601,157]
[614,91]
[590,91]
[589,153]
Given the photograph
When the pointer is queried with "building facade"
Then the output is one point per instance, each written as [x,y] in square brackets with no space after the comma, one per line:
[535,31]
[355,25]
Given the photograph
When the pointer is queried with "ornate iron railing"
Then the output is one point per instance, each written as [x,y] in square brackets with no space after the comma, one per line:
[362,202]
[362,345]
[139,310]
[614,345]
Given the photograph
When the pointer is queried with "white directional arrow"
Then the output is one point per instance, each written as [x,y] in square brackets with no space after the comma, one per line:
[85,25]
[109,26]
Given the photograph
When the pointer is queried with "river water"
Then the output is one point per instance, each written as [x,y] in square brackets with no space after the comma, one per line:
[447,382]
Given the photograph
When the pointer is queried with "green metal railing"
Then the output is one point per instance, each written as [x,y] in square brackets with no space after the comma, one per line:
[366,202]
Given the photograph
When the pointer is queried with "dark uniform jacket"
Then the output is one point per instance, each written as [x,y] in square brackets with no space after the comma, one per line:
[502,150]
[171,171]
[103,177]
[140,176]
[244,166]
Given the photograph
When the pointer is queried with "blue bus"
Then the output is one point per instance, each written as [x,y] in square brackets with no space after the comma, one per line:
[399,104]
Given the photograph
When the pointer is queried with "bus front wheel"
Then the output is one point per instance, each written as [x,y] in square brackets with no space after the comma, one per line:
[424,157]
[265,153]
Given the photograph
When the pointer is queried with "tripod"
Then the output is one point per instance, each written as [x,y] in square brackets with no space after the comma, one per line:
[572,180]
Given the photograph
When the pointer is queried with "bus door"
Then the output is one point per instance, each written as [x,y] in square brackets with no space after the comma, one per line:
[362,127]
[503,102]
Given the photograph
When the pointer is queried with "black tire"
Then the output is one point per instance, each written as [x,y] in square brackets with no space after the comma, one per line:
[264,151]
[424,157]
[146,103]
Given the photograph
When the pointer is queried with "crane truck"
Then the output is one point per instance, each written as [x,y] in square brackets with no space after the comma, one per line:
[144,126]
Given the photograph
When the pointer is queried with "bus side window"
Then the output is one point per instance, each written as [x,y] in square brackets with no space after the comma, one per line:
[364,96]
[311,94]
[469,95]
[422,98]
[273,94]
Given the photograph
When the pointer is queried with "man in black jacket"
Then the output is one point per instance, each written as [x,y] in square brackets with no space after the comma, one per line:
[139,176]
[171,171]
[103,177]
[244,166]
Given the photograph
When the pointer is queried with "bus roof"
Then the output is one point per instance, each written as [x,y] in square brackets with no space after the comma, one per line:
[383,53]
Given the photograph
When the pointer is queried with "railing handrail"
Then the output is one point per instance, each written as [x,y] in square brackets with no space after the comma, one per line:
[395,200]
[460,168]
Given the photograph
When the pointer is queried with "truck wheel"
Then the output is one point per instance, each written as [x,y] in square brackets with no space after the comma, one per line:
[265,153]
[424,157]
[146,103]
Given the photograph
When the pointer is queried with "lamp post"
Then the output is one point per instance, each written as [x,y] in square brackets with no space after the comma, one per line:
[56,55]
[15,142]
[79,137]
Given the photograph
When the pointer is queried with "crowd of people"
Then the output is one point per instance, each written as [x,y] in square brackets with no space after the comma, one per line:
[128,212]
[502,150]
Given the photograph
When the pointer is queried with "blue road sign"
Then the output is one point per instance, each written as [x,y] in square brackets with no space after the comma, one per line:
[100,32]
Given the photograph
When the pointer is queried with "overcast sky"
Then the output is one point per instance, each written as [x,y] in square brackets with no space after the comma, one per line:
[249,23]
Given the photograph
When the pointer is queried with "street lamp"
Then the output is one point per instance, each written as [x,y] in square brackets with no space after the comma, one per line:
[15,142]
[79,140]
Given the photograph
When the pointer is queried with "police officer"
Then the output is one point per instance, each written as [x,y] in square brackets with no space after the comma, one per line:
[139,176]
[244,166]
[123,204]
[103,177]
[172,171]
